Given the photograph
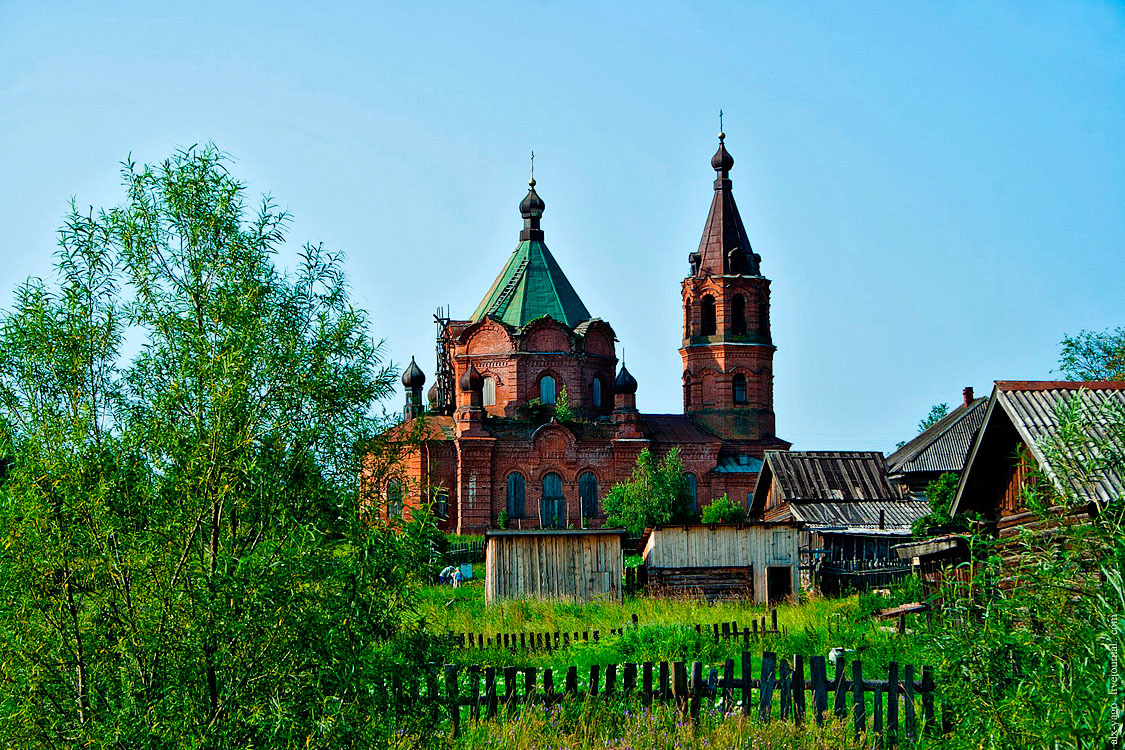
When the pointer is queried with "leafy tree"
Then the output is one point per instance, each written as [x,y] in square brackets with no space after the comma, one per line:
[937,413]
[1090,355]
[939,494]
[724,510]
[656,493]
[184,555]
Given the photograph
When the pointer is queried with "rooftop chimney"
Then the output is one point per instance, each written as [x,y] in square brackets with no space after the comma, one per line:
[968,394]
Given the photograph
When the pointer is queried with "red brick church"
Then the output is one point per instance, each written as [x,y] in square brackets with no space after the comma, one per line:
[531,348]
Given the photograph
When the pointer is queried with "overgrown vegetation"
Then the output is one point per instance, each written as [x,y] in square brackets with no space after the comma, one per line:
[184,560]
[1094,355]
[656,493]
[724,510]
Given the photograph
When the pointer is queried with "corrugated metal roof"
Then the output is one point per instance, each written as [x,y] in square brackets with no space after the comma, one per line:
[861,517]
[830,476]
[944,446]
[1032,408]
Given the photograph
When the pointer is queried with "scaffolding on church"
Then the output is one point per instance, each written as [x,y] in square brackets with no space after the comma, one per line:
[444,376]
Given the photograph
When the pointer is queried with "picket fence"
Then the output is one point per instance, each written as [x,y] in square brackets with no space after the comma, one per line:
[781,691]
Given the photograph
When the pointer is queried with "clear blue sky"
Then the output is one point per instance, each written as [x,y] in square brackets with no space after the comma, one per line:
[937,190]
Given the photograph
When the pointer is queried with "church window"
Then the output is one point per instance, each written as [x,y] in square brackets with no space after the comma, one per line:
[739,383]
[547,389]
[489,397]
[596,393]
[687,393]
[515,495]
[394,498]
[588,494]
[441,503]
[738,315]
[708,314]
[693,491]
[552,508]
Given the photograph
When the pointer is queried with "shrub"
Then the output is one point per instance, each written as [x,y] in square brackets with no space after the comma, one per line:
[724,510]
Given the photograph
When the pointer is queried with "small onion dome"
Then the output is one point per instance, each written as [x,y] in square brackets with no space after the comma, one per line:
[625,383]
[432,395]
[532,205]
[722,161]
[413,377]
[472,379]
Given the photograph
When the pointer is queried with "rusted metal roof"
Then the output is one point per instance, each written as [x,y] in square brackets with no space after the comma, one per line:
[674,428]
[944,446]
[870,517]
[1032,408]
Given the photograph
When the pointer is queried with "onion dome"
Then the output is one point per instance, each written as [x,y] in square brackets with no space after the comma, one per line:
[472,379]
[722,161]
[531,209]
[624,382]
[413,377]
[432,396]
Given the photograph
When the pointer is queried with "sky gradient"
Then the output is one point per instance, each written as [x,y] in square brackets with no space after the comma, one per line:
[937,190]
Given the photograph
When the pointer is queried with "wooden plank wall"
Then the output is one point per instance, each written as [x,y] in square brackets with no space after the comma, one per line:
[756,547]
[553,566]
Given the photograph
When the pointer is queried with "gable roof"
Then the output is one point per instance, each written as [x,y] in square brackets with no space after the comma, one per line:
[530,286]
[945,445]
[824,477]
[1030,407]
[869,517]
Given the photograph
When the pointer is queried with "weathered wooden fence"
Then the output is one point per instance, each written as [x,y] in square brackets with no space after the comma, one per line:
[553,641]
[842,576]
[465,552]
[780,689]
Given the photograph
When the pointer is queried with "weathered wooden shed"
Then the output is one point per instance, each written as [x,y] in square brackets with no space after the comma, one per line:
[755,561]
[579,564]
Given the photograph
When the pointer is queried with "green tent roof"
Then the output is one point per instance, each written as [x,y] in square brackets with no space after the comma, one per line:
[530,286]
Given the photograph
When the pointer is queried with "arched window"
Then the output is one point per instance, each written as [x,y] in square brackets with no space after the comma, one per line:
[738,315]
[588,494]
[552,508]
[547,389]
[489,397]
[441,503]
[739,384]
[516,503]
[394,498]
[764,318]
[708,314]
[687,393]
[693,490]
[596,393]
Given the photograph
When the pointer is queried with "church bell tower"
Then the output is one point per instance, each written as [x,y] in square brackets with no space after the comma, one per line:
[727,349]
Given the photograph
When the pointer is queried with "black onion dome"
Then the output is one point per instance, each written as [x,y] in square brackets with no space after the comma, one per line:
[624,382]
[472,379]
[432,395]
[413,377]
[532,205]
[722,161]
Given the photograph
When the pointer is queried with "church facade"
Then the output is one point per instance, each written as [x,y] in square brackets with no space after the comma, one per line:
[531,421]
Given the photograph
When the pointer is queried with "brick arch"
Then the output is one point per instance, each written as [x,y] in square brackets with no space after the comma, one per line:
[547,335]
[487,337]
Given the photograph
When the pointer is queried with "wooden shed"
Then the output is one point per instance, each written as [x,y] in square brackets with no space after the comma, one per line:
[755,561]
[580,564]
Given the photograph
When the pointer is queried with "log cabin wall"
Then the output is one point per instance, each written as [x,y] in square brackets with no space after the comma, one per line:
[756,547]
[575,565]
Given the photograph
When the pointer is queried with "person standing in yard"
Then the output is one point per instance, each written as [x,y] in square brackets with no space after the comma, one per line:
[456,578]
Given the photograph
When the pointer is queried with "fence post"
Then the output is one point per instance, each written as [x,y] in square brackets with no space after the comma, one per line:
[798,689]
[928,699]
[474,692]
[610,680]
[646,683]
[665,690]
[819,676]
[594,669]
[679,678]
[490,691]
[548,688]
[785,685]
[773,619]
[572,681]
[747,682]
[769,664]
[840,705]
[877,715]
[529,685]
[892,700]
[509,686]
[908,698]
[630,678]
[728,685]
[696,690]
[859,710]
[453,700]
